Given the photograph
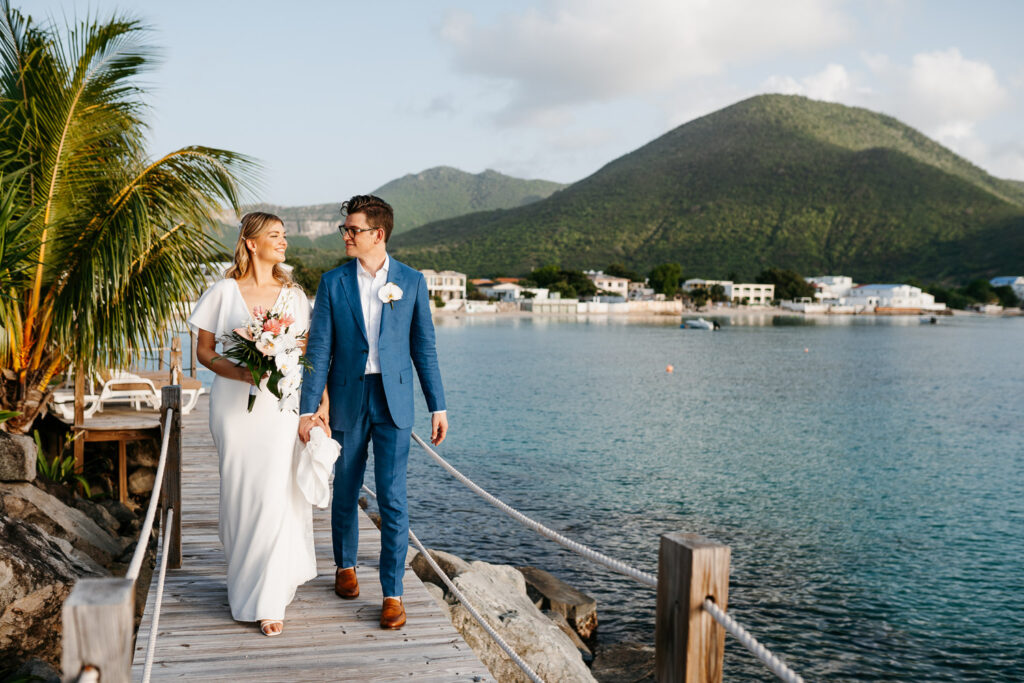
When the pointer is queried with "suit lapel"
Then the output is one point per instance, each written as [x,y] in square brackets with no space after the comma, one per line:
[349,282]
[388,313]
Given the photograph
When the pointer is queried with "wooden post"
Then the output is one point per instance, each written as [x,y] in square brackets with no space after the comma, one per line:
[193,359]
[79,421]
[689,643]
[160,352]
[171,398]
[176,360]
[99,617]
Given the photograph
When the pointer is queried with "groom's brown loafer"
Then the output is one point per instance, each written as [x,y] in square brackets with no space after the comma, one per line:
[345,583]
[392,614]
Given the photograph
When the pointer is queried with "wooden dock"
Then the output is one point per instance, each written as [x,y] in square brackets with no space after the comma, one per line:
[324,639]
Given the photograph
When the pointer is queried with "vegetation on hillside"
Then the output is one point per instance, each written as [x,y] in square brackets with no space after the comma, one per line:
[771,181]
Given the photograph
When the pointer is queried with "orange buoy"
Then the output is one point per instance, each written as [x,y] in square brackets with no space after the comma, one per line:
[806,350]
[669,369]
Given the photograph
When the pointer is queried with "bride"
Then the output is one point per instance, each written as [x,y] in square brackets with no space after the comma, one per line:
[266,524]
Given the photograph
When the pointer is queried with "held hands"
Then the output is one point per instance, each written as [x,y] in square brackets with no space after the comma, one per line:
[438,428]
[307,422]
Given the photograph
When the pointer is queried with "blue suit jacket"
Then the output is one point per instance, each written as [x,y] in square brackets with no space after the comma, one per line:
[338,347]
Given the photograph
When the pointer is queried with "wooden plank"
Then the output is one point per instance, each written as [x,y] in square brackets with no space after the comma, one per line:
[324,639]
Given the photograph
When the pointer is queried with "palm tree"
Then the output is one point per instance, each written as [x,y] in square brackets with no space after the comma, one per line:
[102,243]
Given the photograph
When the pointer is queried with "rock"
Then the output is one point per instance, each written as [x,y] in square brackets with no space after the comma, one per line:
[17,457]
[36,669]
[35,506]
[121,512]
[624,662]
[98,514]
[560,621]
[449,564]
[550,592]
[498,593]
[143,454]
[438,595]
[375,518]
[141,481]
[36,576]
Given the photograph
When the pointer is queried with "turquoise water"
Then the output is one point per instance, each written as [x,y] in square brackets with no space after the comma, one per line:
[871,487]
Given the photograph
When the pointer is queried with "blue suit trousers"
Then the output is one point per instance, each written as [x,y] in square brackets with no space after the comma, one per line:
[390,458]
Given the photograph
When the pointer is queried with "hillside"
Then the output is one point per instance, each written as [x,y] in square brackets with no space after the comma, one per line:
[770,181]
[434,194]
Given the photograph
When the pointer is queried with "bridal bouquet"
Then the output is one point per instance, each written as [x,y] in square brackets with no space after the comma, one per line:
[267,346]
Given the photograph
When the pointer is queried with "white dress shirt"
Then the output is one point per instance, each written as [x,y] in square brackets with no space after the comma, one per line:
[369,286]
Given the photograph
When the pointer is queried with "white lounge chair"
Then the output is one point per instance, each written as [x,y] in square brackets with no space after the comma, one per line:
[191,389]
[62,402]
[119,385]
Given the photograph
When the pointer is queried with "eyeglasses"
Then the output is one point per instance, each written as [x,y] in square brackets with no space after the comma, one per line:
[352,232]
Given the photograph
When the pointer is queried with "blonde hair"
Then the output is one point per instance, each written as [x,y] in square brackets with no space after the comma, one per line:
[253,226]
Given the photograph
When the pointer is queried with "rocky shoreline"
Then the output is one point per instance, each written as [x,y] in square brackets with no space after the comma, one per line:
[50,538]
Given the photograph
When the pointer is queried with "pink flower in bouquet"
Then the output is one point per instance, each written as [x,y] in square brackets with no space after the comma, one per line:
[273,325]
[287,320]
[258,312]
[243,333]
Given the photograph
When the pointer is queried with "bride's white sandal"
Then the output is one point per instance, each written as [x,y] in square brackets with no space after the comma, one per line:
[266,624]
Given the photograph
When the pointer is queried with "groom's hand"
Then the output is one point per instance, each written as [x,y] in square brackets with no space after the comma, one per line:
[438,428]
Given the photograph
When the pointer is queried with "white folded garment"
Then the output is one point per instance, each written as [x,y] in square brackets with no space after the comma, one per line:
[314,463]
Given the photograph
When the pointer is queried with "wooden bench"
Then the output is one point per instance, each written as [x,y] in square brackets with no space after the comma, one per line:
[122,431]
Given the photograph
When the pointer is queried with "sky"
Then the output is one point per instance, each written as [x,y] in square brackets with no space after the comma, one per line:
[338,98]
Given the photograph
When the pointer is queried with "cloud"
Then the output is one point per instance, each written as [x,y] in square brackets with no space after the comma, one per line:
[833,84]
[569,52]
[945,87]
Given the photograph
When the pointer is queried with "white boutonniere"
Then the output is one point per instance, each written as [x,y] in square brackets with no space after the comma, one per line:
[390,293]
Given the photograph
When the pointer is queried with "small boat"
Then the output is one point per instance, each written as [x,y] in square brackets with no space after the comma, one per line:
[700,324]
[929,320]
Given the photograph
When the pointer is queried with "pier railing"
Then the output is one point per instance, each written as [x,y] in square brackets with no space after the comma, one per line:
[99,615]
[692,597]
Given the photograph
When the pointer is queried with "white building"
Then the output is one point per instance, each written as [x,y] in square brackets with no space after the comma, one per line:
[1015,282]
[749,294]
[446,284]
[506,291]
[618,286]
[639,291]
[830,288]
[891,298]
[697,283]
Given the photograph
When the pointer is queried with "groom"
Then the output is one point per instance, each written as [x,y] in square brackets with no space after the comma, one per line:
[371,324]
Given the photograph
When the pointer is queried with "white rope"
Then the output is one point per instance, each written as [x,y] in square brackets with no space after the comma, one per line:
[147,525]
[476,615]
[774,664]
[578,548]
[161,552]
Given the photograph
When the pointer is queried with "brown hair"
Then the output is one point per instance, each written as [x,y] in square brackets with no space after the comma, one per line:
[253,225]
[378,212]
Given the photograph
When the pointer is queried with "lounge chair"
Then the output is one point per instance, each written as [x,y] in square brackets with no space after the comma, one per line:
[191,389]
[119,385]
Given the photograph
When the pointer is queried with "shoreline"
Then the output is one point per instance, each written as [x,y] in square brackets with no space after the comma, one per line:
[730,312]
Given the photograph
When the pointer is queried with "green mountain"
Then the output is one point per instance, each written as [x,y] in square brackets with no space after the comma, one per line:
[774,180]
[434,194]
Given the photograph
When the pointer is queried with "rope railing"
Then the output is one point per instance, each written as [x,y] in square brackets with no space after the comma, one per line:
[161,552]
[771,661]
[644,578]
[774,664]
[512,654]
[147,525]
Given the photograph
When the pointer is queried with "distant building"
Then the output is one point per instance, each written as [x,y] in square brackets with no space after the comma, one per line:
[508,280]
[885,298]
[446,284]
[639,291]
[482,282]
[506,291]
[618,286]
[750,294]
[1014,282]
[697,283]
[830,288]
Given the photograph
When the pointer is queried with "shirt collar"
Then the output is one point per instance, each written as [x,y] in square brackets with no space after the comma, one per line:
[383,269]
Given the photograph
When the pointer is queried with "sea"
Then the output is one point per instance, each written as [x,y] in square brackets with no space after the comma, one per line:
[866,472]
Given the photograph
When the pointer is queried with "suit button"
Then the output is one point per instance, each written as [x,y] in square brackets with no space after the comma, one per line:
[365,351]
[360,379]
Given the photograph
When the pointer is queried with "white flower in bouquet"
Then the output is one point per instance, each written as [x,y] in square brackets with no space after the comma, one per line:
[289,384]
[287,342]
[266,343]
[390,293]
[288,361]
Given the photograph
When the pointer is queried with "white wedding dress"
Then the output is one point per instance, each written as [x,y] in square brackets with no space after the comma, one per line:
[266,523]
